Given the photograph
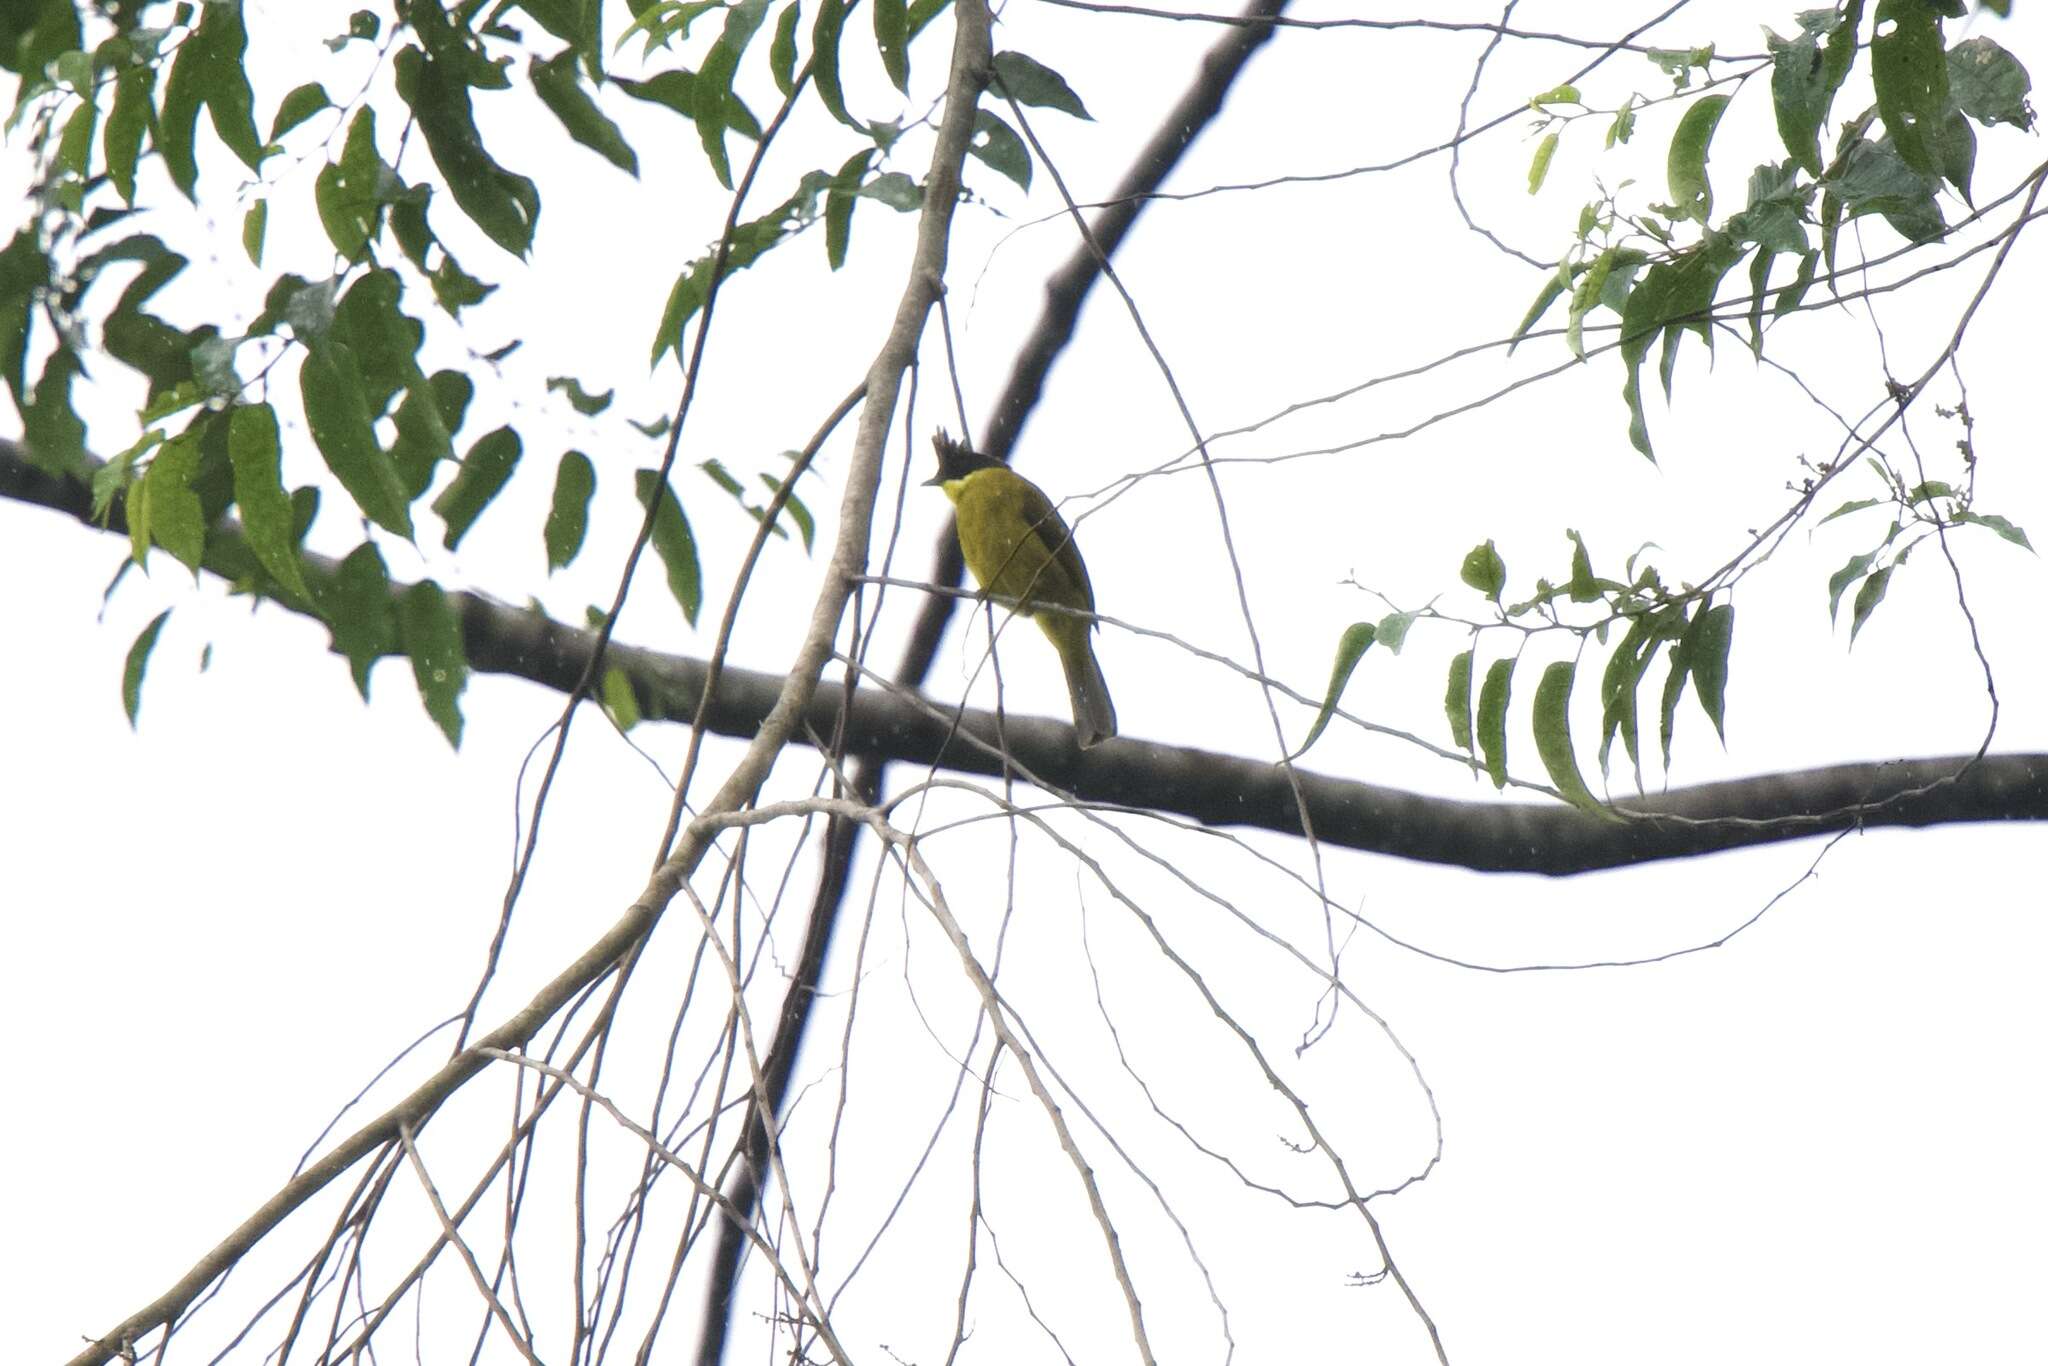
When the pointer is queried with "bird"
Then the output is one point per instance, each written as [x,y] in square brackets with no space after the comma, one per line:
[1019,548]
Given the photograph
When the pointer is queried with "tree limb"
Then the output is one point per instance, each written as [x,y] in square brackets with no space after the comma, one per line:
[1219,789]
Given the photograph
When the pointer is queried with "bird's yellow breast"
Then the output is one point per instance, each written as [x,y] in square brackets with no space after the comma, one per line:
[1015,543]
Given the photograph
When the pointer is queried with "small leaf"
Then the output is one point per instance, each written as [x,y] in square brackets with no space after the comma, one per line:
[253,224]
[1553,290]
[338,413]
[1839,581]
[175,519]
[485,470]
[672,541]
[569,513]
[806,525]
[583,401]
[1997,524]
[1686,167]
[1030,82]
[892,40]
[356,604]
[1557,94]
[1539,165]
[1854,505]
[997,144]
[268,519]
[1705,646]
[295,108]
[825,31]
[1484,570]
[1867,598]
[782,50]
[432,636]
[1584,587]
[1552,721]
[1351,647]
[1458,700]
[1910,74]
[558,83]
[138,665]
[1393,630]
[1493,720]
[616,693]
[1989,84]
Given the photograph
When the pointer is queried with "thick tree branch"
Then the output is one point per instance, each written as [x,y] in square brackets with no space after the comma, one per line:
[1221,789]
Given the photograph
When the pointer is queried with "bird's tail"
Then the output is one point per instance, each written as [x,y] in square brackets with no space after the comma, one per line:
[1088,691]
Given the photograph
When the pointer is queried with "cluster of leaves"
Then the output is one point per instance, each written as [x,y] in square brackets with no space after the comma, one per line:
[1890,160]
[383,426]
[1697,625]
[1660,273]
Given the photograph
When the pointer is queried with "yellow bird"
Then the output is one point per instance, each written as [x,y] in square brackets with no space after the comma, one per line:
[1017,546]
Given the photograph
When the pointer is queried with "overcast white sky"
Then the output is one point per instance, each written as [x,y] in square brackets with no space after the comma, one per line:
[1818,1142]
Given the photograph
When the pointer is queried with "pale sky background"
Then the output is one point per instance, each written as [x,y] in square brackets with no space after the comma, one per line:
[1819,1142]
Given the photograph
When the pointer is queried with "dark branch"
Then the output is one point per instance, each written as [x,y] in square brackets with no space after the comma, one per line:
[1221,789]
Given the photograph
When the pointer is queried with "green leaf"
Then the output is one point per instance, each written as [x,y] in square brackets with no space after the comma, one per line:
[138,665]
[750,241]
[1867,598]
[254,223]
[1393,630]
[1854,505]
[825,31]
[295,108]
[1671,295]
[1484,570]
[1997,524]
[1910,73]
[432,636]
[489,463]
[173,515]
[267,515]
[672,541]
[1557,94]
[1458,700]
[1790,297]
[558,83]
[714,81]
[1705,646]
[569,512]
[356,604]
[892,40]
[1351,647]
[1584,587]
[36,33]
[1553,290]
[1493,720]
[806,525]
[338,414]
[1955,145]
[1873,178]
[1686,166]
[121,140]
[1839,581]
[616,695]
[1030,82]
[782,50]
[53,433]
[427,419]
[351,193]
[997,144]
[504,204]
[581,399]
[1539,165]
[1800,89]
[1618,684]
[1989,84]
[1553,730]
